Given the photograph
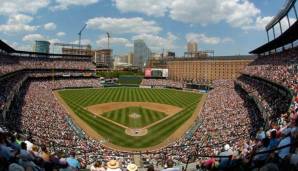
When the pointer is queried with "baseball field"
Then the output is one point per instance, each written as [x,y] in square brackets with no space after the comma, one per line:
[131,118]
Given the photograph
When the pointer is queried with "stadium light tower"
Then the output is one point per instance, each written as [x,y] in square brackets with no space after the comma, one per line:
[80,34]
[109,36]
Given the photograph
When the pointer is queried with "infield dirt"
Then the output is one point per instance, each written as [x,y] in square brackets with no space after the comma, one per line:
[107,107]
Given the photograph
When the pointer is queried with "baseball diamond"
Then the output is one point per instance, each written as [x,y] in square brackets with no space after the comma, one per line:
[114,112]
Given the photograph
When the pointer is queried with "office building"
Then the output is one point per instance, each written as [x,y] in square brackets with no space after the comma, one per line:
[41,46]
[141,54]
[103,58]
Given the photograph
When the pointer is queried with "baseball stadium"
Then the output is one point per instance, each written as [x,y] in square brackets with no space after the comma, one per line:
[84,109]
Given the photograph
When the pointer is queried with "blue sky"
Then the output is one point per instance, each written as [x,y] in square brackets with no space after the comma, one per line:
[227,26]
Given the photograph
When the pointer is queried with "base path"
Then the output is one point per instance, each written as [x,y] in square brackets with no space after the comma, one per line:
[99,109]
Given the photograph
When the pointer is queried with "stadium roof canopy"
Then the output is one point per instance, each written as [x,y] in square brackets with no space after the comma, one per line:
[282,13]
[5,47]
[8,49]
[53,55]
[289,36]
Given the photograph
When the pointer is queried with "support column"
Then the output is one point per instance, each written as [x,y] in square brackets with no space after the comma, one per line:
[295,12]
[290,26]
[274,36]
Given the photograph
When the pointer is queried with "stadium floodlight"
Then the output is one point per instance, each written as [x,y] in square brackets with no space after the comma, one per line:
[109,36]
[80,34]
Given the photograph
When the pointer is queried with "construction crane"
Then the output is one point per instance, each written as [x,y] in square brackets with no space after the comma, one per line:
[109,36]
[80,34]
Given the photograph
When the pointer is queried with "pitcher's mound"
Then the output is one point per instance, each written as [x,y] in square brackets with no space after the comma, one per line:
[136,132]
[134,116]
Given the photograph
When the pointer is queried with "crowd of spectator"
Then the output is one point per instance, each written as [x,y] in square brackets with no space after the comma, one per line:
[20,153]
[272,100]
[11,83]
[282,135]
[50,126]
[12,63]
[44,123]
[8,87]
[280,67]
[228,117]
[225,118]
[162,83]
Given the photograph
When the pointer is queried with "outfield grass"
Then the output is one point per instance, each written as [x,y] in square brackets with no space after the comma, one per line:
[146,116]
[78,99]
[130,79]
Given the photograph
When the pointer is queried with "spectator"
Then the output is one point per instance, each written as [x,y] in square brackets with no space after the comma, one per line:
[26,158]
[72,162]
[97,166]
[227,156]
[113,165]
[170,166]
[132,167]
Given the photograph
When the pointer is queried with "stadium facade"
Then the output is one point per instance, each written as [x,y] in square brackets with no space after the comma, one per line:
[207,70]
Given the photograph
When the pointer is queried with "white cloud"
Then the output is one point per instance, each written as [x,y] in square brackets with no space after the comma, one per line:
[18,23]
[65,4]
[52,41]
[20,18]
[19,14]
[156,42]
[148,7]
[204,39]
[15,28]
[60,34]
[24,47]
[171,36]
[83,42]
[11,7]
[123,25]
[227,40]
[33,37]
[14,45]
[261,23]
[237,13]
[50,26]
[103,41]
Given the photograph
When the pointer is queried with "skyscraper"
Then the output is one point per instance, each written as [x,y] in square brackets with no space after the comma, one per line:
[141,53]
[130,58]
[192,47]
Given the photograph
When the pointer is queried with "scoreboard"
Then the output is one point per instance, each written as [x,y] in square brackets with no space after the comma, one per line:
[156,73]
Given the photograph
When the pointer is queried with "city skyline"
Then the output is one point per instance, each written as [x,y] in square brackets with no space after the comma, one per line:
[236,28]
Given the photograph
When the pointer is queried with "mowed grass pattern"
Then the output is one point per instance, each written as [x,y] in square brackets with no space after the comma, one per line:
[122,116]
[77,99]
